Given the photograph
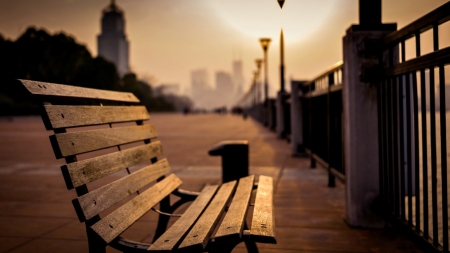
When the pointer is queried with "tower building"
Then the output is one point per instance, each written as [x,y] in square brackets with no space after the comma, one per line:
[112,42]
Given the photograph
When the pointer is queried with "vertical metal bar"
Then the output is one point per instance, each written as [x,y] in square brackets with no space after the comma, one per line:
[443,125]
[433,159]
[402,146]
[311,145]
[409,145]
[395,167]
[423,109]
[380,139]
[435,37]
[385,146]
[433,141]
[416,150]
[424,141]
[402,134]
[403,56]
[390,145]
[331,179]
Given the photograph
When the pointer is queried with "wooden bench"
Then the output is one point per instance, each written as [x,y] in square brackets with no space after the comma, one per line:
[215,221]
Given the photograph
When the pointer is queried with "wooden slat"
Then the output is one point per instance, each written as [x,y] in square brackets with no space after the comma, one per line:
[67,144]
[233,222]
[175,233]
[263,222]
[60,116]
[198,237]
[68,91]
[123,217]
[86,171]
[104,197]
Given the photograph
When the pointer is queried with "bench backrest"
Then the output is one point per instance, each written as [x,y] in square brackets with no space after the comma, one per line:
[85,121]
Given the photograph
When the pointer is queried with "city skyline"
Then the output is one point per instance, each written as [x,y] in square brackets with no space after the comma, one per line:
[169,39]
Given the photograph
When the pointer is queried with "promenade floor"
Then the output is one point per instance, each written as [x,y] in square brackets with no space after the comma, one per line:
[36,214]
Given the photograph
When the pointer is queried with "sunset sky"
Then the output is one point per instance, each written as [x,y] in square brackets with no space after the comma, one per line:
[170,38]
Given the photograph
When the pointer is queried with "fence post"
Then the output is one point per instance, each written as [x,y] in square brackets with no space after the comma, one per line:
[360,116]
[296,118]
[279,128]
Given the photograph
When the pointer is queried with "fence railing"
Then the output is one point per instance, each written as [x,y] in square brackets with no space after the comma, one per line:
[412,118]
[322,121]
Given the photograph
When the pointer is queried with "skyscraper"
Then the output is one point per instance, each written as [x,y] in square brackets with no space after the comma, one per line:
[238,78]
[112,42]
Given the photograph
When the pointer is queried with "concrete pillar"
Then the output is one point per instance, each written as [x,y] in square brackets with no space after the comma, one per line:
[296,118]
[280,102]
[360,46]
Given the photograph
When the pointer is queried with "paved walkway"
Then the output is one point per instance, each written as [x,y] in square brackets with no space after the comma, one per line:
[36,214]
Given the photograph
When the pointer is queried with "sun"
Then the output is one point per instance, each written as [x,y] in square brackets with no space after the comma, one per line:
[264,18]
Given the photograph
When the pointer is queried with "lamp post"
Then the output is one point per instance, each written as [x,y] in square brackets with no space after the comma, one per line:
[258,83]
[265,45]
[281,61]
[255,87]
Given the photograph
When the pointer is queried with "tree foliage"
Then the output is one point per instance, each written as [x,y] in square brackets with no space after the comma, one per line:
[40,56]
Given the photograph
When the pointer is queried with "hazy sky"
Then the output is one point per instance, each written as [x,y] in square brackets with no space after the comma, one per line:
[170,38]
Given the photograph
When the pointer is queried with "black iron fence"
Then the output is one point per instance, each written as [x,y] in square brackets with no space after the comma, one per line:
[322,121]
[413,116]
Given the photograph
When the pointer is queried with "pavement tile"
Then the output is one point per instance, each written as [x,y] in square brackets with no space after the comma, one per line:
[47,209]
[29,226]
[8,243]
[317,239]
[45,245]
[294,217]
[302,203]
[73,230]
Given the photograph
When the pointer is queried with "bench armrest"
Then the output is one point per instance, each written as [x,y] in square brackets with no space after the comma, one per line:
[234,159]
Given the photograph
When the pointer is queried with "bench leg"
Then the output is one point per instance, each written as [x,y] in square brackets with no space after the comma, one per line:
[229,246]
[95,243]
[250,245]
[163,220]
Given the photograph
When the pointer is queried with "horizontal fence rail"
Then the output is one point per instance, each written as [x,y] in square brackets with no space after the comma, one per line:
[412,118]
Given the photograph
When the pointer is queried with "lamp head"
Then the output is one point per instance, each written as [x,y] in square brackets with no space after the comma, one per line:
[258,63]
[281,2]
[265,43]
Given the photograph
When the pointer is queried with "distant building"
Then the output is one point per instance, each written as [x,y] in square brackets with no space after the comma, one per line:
[202,94]
[238,78]
[228,87]
[224,88]
[112,42]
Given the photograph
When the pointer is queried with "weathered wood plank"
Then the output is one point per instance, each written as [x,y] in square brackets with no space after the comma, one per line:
[123,217]
[175,233]
[199,235]
[104,197]
[233,222]
[86,171]
[60,116]
[68,91]
[263,222]
[67,144]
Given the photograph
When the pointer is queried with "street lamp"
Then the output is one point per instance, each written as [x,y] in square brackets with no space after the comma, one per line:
[281,61]
[265,45]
